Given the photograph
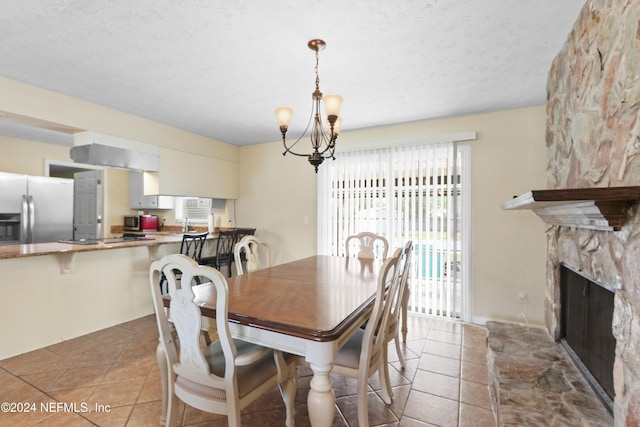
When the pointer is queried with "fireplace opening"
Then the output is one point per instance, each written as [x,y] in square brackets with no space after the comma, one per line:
[586,315]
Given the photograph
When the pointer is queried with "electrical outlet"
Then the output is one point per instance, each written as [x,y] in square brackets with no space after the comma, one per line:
[522,298]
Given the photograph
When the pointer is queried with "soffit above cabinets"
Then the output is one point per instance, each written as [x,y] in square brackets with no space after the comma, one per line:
[31,129]
[592,208]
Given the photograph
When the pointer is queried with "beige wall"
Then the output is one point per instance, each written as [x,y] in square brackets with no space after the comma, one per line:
[34,102]
[278,195]
[508,248]
[28,157]
[106,287]
[175,145]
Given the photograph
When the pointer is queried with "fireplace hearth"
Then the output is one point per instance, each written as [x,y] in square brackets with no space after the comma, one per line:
[534,383]
[586,316]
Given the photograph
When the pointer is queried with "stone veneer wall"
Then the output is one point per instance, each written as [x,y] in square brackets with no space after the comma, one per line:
[593,140]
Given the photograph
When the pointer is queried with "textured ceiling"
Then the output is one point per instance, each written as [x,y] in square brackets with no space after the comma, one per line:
[220,68]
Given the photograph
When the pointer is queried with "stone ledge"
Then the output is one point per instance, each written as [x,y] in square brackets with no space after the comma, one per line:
[533,381]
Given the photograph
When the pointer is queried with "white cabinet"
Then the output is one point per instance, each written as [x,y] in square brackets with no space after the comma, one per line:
[152,202]
[183,175]
[145,182]
[192,175]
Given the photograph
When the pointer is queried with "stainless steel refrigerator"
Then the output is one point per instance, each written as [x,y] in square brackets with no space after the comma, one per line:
[35,209]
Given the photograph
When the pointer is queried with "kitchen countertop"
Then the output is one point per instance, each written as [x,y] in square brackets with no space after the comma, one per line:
[37,249]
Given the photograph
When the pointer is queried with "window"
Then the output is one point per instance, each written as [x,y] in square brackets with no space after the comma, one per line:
[414,192]
[193,208]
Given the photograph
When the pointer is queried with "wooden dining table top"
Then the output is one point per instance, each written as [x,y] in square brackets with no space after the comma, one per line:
[316,298]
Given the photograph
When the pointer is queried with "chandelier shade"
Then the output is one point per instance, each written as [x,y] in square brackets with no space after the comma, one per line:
[284,116]
[323,141]
[332,104]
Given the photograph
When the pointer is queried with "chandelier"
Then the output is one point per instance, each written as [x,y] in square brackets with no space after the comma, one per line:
[323,142]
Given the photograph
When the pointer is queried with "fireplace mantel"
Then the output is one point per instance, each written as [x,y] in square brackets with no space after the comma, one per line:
[593,208]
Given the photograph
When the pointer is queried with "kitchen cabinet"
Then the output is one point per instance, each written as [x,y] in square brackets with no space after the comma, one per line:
[183,175]
[144,182]
[152,202]
[188,174]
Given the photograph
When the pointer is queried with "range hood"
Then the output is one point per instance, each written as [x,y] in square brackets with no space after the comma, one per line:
[116,157]
[98,149]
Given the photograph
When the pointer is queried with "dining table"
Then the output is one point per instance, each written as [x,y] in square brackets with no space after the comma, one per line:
[309,307]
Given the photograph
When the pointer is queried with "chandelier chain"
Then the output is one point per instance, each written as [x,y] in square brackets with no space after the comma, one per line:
[317,75]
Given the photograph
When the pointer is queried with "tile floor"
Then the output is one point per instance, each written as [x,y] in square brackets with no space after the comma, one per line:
[111,378]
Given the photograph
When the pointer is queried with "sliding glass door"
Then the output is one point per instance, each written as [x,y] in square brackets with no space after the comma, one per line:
[405,193]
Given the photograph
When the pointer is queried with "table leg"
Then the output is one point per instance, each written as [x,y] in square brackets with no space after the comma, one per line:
[321,401]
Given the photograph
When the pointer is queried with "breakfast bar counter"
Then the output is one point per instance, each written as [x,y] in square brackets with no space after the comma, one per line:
[149,240]
[36,249]
[57,291]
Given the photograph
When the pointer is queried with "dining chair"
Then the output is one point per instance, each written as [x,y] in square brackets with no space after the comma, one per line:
[223,377]
[253,252]
[402,276]
[367,245]
[224,250]
[241,233]
[365,352]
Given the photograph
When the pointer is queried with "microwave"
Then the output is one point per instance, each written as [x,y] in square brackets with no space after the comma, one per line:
[141,223]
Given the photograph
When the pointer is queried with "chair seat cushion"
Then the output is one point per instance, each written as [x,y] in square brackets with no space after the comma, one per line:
[207,260]
[249,377]
[349,355]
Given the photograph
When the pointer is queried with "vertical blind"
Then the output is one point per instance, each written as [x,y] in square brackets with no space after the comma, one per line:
[403,193]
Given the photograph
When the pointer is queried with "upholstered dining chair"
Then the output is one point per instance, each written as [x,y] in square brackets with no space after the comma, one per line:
[365,352]
[254,252]
[223,377]
[393,326]
[367,245]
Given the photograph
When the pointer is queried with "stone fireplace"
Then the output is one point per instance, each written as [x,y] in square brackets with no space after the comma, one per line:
[593,140]
[586,318]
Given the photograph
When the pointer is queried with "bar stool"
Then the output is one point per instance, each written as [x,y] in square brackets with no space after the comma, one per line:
[191,246]
[224,251]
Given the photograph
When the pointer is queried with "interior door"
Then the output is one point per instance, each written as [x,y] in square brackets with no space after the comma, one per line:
[87,215]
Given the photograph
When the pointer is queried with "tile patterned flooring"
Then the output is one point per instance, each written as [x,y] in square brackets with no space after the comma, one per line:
[114,370]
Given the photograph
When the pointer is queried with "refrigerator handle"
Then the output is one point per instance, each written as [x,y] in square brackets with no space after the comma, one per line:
[24,222]
[32,218]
